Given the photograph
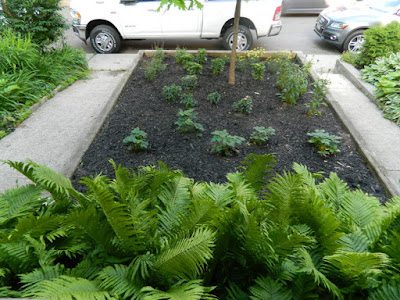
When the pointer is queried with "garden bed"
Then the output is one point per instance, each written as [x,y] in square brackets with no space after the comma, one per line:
[141,104]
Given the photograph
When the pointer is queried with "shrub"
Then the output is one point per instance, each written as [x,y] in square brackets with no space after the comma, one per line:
[137,140]
[193,68]
[189,82]
[185,121]
[188,101]
[171,92]
[244,105]
[225,144]
[261,135]
[379,41]
[201,57]
[320,89]
[217,65]
[257,70]
[325,143]
[214,97]
[41,20]
[136,234]
[292,81]
[150,72]
[350,57]
[182,56]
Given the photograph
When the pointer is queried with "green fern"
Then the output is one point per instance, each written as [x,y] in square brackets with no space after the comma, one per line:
[268,289]
[191,290]
[388,290]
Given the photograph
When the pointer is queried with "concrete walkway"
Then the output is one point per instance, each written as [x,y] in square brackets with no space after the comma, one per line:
[58,133]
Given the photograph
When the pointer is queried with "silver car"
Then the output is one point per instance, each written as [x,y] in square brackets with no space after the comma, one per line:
[345,27]
[303,6]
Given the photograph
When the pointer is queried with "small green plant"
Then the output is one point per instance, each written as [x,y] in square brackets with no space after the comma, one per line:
[217,65]
[292,81]
[350,57]
[320,89]
[182,57]
[159,54]
[244,105]
[185,121]
[188,101]
[225,144]
[241,63]
[193,68]
[255,55]
[189,82]
[325,143]
[214,97]
[150,72]
[171,92]
[261,135]
[257,70]
[137,140]
[278,62]
[201,57]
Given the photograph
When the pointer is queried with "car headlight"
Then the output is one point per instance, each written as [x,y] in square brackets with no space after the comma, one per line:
[338,25]
[76,16]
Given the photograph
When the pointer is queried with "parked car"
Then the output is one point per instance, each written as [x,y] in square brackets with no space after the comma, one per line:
[106,23]
[303,6]
[344,28]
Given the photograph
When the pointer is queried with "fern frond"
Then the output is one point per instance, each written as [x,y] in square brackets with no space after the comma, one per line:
[365,267]
[175,192]
[29,280]
[7,292]
[19,202]
[118,216]
[360,209]
[219,193]
[235,293]
[119,282]
[68,288]
[257,169]
[186,257]
[191,290]
[388,290]
[268,289]
[308,177]
[355,242]
[333,190]
[392,248]
[242,190]
[124,182]
[142,266]
[15,256]
[307,266]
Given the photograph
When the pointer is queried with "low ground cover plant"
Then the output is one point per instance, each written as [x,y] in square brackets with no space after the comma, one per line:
[172,92]
[29,73]
[217,65]
[188,100]
[186,121]
[137,140]
[261,135]
[152,233]
[319,91]
[214,97]
[189,82]
[225,144]
[244,105]
[326,144]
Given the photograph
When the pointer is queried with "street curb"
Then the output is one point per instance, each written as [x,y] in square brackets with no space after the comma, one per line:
[80,151]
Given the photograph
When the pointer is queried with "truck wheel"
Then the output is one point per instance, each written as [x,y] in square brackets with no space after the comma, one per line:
[245,38]
[354,41]
[105,39]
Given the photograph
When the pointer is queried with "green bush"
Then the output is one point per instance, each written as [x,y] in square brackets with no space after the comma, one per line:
[153,233]
[217,65]
[189,82]
[380,41]
[171,92]
[39,19]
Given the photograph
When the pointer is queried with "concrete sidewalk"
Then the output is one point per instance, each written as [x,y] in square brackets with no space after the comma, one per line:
[58,133]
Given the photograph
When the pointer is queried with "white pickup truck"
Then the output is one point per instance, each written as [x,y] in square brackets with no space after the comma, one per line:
[107,22]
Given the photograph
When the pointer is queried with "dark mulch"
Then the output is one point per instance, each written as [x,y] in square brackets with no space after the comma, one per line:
[141,105]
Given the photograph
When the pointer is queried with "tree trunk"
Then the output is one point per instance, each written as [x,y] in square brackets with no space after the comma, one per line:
[234,46]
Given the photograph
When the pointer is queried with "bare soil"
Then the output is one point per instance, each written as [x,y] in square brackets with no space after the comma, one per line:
[141,105]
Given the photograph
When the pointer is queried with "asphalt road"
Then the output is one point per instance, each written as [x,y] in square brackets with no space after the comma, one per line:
[297,35]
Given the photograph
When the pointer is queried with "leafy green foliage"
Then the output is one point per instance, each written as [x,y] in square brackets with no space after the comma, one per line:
[292,81]
[350,57]
[261,135]
[171,92]
[137,140]
[188,101]
[385,74]
[320,89]
[214,97]
[182,57]
[217,65]
[185,121]
[155,65]
[193,68]
[28,74]
[224,143]
[41,20]
[244,106]
[257,70]
[380,41]
[189,82]
[326,143]
[155,234]
[201,56]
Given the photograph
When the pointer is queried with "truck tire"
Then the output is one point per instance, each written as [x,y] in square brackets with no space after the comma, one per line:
[354,41]
[105,39]
[245,38]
